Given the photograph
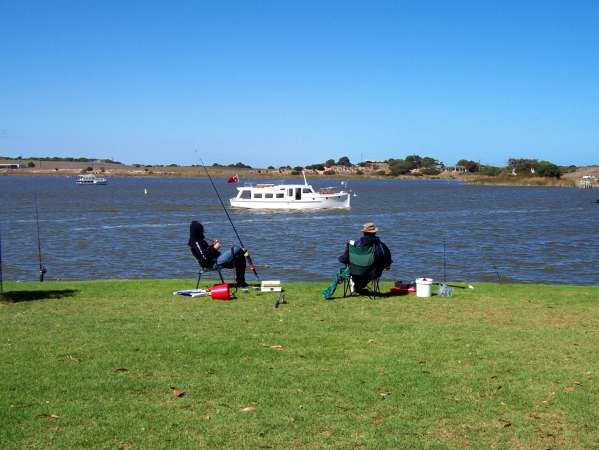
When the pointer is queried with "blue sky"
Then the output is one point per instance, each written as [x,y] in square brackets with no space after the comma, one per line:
[299,82]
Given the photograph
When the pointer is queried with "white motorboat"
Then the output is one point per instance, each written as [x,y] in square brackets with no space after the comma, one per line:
[290,196]
[90,179]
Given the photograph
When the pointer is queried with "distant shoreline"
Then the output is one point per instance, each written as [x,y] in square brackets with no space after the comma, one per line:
[68,170]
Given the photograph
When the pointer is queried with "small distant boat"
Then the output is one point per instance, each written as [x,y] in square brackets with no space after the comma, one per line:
[90,179]
[290,196]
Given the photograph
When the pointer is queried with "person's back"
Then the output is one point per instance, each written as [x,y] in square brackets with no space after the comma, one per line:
[382,255]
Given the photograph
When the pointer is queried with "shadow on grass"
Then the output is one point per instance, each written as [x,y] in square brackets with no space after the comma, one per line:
[28,296]
[366,296]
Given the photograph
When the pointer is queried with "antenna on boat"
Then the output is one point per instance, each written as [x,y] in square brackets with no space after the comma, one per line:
[246,253]
[39,245]
[304,174]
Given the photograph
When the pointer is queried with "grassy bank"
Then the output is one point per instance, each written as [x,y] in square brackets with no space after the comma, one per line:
[92,364]
[522,181]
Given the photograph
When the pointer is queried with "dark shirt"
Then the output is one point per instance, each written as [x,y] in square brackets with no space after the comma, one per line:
[204,253]
[382,254]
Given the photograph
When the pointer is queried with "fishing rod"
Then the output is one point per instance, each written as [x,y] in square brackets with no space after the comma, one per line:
[39,244]
[1,286]
[246,253]
[496,271]
[444,266]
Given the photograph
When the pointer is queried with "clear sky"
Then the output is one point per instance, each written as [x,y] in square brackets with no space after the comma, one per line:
[299,82]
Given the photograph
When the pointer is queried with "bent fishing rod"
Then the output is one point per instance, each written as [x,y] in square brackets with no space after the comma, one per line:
[246,253]
[39,244]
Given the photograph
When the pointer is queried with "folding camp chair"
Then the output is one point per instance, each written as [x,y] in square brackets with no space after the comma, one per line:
[210,268]
[204,270]
[362,279]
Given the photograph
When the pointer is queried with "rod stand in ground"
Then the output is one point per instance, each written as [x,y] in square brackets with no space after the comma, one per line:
[281,300]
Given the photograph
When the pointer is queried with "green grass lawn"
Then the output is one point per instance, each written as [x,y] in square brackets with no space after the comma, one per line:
[93,364]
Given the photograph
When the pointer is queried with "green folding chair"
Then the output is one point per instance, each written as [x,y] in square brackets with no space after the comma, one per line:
[362,279]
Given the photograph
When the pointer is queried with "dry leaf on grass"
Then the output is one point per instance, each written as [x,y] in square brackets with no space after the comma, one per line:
[248,409]
[384,394]
[278,347]
[122,369]
[73,358]
[177,392]
[49,416]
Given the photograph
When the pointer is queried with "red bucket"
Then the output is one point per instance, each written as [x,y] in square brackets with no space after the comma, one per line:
[220,292]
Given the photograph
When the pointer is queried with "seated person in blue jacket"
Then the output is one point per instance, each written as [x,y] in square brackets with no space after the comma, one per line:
[209,256]
[382,254]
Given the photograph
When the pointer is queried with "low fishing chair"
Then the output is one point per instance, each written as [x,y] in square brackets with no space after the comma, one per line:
[363,279]
[210,267]
[204,270]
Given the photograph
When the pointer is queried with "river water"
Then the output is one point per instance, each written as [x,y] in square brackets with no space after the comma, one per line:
[438,229]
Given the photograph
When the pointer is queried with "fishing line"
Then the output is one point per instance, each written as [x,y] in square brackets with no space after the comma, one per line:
[39,244]
[246,252]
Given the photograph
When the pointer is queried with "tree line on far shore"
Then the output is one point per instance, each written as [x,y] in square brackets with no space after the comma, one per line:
[414,165]
[417,166]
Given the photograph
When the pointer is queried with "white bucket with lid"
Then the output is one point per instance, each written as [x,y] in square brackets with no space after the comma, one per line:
[424,287]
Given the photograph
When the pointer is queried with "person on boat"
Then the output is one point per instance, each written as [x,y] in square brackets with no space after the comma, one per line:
[210,256]
[382,253]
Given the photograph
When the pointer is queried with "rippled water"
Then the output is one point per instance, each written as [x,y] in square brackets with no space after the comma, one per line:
[439,229]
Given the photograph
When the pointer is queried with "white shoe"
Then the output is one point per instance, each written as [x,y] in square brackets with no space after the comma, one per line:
[352,285]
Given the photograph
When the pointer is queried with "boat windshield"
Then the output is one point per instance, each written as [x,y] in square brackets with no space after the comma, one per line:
[327,191]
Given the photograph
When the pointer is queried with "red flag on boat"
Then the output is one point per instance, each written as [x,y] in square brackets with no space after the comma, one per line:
[233,179]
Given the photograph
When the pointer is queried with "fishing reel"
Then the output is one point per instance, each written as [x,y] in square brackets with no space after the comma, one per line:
[42,272]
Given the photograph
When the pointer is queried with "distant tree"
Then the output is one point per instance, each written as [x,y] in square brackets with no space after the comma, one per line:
[30,164]
[295,172]
[343,161]
[471,166]
[298,169]
[415,159]
[329,163]
[329,172]
[400,166]
[89,169]
[427,161]
[547,169]
[270,168]
[491,171]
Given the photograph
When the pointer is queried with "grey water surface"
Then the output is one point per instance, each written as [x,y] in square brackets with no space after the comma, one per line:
[438,229]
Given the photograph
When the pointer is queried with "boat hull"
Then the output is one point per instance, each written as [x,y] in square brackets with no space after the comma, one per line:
[90,179]
[311,202]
